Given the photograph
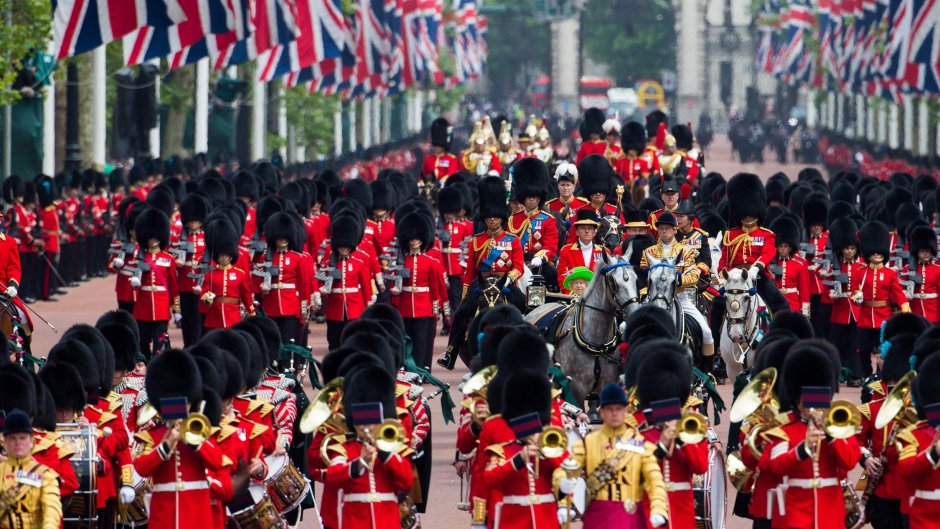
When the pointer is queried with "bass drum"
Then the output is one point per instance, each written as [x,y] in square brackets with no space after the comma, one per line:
[711,489]
[81,511]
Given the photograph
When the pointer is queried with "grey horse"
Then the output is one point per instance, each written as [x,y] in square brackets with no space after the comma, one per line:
[584,333]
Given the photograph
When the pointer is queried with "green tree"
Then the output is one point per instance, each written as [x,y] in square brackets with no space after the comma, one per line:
[635,38]
[27,26]
[518,46]
[312,117]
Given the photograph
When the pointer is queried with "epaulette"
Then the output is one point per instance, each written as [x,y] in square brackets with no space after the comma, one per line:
[777,433]
[104,417]
[225,431]
[907,435]
[226,462]
[555,393]
[876,387]
[146,441]
[401,412]
[497,450]
[65,450]
[865,410]
[256,430]
[400,389]
[115,401]
[45,442]
[693,401]
[768,230]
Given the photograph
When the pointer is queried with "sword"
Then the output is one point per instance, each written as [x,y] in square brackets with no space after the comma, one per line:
[52,267]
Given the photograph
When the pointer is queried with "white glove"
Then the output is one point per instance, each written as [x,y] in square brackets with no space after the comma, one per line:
[209,297]
[11,291]
[567,485]
[536,261]
[135,282]
[177,318]
[563,515]
[752,272]
[657,520]
[118,262]
[127,494]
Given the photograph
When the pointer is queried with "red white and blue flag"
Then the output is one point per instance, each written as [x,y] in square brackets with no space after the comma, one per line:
[83,25]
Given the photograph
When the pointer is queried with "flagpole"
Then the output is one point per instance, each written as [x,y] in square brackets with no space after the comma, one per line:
[99,106]
[155,132]
[201,140]
[258,99]
[48,120]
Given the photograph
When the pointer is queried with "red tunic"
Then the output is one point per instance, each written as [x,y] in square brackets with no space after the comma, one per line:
[793,281]
[589,147]
[571,257]
[19,222]
[369,499]
[10,270]
[185,469]
[651,155]
[439,166]
[198,240]
[250,225]
[108,448]
[232,289]
[383,235]
[351,292]
[743,249]
[122,285]
[844,311]
[632,169]
[455,253]
[537,233]
[925,300]
[421,292]
[289,287]
[880,290]
[50,229]
[815,280]
[822,507]
[495,432]
[527,499]
[47,452]
[158,288]
[573,205]
[678,468]
[498,254]
[890,486]
[919,470]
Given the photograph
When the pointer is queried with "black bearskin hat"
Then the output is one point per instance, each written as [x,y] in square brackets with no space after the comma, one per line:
[223,240]
[492,197]
[295,194]
[383,195]
[282,225]
[530,179]
[667,374]
[653,120]
[195,207]
[922,238]
[794,322]
[267,330]
[683,136]
[120,316]
[74,352]
[17,390]
[441,132]
[152,224]
[233,343]
[905,323]
[45,405]
[100,348]
[211,378]
[523,350]
[633,137]
[926,389]
[815,210]
[450,200]
[746,198]
[805,365]
[347,232]
[787,231]
[775,190]
[65,383]
[593,122]
[358,190]
[246,185]
[843,233]
[414,226]
[527,392]
[123,342]
[897,359]
[46,191]
[173,373]
[13,186]
[594,173]
[369,384]
[874,238]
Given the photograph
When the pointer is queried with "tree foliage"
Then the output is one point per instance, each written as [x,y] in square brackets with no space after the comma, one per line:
[312,117]
[28,32]
[518,45]
[635,38]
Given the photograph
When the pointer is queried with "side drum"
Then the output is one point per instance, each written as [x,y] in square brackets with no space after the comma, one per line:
[81,511]
[285,485]
[261,515]
[710,490]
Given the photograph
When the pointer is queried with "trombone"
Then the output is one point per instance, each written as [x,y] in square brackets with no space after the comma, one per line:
[692,427]
[553,442]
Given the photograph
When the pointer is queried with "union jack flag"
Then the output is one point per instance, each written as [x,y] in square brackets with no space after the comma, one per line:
[211,45]
[320,26]
[83,25]
[924,52]
[203,17]
[274,23]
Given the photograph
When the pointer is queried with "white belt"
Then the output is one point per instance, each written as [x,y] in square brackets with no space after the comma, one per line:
[352,290]
[153,288]
[789,290]
[368,497]
[933,495]
[188,263]
[817,483]
[181,486]
[125,273]
[671,486]
[451,250]
[415,289]
[531,499]
[279,286]
[925,296]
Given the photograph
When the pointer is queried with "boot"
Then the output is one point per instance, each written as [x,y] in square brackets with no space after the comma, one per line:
[448,359]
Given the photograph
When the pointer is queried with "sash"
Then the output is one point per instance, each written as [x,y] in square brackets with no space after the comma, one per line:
[487,263]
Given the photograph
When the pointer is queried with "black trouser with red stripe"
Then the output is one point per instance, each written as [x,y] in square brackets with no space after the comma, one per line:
[49,280]
[421,331]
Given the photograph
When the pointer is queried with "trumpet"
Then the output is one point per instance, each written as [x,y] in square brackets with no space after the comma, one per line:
[479,407]
[552,443]
[843,420]
[692,427]
[327,403]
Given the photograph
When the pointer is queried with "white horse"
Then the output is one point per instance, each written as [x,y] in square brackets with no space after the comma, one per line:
[740,323]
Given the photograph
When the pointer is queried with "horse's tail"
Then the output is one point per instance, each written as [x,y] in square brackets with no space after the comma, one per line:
[717,315]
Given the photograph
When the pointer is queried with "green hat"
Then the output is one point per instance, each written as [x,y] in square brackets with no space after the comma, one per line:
[578,272]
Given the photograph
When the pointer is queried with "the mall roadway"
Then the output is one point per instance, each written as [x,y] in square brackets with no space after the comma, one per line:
[85,303]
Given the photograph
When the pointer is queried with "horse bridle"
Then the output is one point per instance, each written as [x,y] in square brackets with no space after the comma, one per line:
[749,333]
[605,348]
[663,264]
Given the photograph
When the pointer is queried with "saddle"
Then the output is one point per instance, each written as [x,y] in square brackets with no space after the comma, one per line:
[549,319]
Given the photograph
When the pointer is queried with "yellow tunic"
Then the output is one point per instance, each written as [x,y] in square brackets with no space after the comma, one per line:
[29,495]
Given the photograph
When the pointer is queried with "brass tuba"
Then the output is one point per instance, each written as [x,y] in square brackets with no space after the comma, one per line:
[898,399]
[326,404]
[758,392]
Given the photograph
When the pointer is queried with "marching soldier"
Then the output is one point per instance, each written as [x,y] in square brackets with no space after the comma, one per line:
[49,220]
[846,275]
[806,458]
[155,281]
[612,152]
[18,224]
[536,229]
[176,464]
[419,298]
[634,169]
[790,271]
[584,252]
[877,291]
[923,278]
[920,448]
[748,245]
[370,475]
[567,203]
[285,293]
[493,253]
[349,289]
[815,218]
[31,489]
[226,289]
[441,163]
[621,470]
[668,248]
[189,262]
[592,135]
[454,237]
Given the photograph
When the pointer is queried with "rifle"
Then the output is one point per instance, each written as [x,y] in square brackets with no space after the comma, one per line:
[330,273]
[138,271]
[266,271]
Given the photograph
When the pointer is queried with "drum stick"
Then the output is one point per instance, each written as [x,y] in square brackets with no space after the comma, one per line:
[260,450]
